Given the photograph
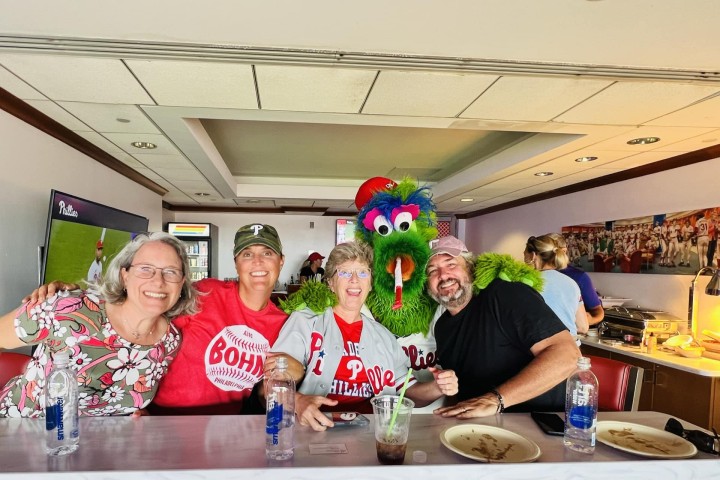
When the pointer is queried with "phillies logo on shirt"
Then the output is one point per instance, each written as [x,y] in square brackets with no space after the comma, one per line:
[316,343]
[234,358]
[379,378]
[419,359]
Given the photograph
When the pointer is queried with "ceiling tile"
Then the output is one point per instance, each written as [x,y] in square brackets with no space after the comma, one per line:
[532,98]
[428,94]
[197,84]
[667,135]
[104,117]
[313,89]
[164,161]
[125,140]
[634,103]
[639,160]
[294,202]
[52,110]
[17,87]
[691,144]
[702,114]
[172,174]
[61,77]
[250,202]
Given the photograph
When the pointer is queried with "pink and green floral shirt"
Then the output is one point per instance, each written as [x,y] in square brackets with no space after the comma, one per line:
[115,376]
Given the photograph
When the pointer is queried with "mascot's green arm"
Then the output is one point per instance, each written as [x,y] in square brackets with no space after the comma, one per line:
[490,266]
[314,295]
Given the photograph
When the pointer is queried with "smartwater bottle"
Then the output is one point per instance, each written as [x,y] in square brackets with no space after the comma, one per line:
[279,429]
[581,404]
[61,407]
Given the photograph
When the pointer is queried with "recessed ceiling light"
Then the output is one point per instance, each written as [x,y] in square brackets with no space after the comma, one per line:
[122,120]
[144,145]
[709,140]
[643,140]
[543,174]
[467,199]
[202,194]
[252,200]
[585,159]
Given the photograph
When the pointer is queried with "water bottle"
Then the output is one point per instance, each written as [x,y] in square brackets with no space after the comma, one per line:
[581,404]
[280,425]
[61,407]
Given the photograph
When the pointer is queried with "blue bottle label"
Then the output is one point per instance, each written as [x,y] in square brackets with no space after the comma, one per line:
[274,419]
[582,416]
[54,418]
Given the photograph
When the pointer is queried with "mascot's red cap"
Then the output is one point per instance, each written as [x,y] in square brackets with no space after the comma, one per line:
[370,187]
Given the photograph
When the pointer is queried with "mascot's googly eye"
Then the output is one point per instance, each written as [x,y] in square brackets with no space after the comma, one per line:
[382,226]
[403,221]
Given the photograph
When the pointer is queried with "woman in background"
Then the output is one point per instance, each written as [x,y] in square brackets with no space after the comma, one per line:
[560,292]
[118,331]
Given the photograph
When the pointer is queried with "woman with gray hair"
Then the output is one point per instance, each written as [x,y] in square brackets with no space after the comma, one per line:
[118,331]
[348,356]
[560,292]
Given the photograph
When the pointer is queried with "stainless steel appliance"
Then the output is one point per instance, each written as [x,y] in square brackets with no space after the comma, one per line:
[628,324]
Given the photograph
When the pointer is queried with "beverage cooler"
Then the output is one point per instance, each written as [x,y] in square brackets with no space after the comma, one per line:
[201,240]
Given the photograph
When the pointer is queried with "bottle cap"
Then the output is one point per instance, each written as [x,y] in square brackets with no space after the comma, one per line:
[281,362]
[419,456]
[62,357]
[583,362]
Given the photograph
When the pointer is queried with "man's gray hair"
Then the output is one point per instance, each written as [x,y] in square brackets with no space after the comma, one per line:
[112,288]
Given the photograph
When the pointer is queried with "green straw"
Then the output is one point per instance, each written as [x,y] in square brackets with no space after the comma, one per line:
[402,394]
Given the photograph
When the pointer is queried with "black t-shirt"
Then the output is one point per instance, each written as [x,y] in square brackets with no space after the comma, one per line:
[489,341]
[308,273]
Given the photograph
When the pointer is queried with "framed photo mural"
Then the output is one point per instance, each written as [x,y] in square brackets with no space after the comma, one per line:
[678,243]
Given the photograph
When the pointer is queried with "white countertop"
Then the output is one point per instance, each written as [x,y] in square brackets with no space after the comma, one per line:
[232,447]
[701,366]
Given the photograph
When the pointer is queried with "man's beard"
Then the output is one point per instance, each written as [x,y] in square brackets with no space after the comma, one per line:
[457,299]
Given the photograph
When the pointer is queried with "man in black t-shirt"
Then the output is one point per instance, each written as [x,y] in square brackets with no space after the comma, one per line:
[507,347]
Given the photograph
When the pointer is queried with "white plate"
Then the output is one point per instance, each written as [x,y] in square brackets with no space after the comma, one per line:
[489,444]
[644,441]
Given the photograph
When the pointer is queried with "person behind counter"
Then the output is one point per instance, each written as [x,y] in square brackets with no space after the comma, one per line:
[119,331]
[349,357]
[313,269]
[560,292]
[506,345]
[591,300]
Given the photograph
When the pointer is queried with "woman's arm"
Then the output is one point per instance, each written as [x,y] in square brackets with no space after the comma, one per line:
[8,338]
[445,383]
[581,319]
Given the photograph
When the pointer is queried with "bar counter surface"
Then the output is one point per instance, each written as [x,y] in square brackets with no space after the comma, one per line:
[232,447]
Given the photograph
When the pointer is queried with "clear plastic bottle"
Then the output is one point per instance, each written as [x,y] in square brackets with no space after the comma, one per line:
[280,426]
[62,433]
[581,404]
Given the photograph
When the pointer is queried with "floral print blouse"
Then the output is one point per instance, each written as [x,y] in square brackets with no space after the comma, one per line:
[115,376]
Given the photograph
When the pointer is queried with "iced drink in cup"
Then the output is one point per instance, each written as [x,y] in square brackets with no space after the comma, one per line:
[391,442]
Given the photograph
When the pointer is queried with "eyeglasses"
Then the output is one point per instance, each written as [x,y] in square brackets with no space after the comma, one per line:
[361,273]
[703,441]
[170,275]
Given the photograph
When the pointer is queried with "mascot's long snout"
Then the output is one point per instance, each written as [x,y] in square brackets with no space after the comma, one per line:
[402,268]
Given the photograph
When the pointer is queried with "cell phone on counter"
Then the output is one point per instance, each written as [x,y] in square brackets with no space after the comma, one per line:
[347,419]
[550,423]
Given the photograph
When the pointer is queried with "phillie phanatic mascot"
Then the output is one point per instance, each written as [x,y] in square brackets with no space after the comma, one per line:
[398,221]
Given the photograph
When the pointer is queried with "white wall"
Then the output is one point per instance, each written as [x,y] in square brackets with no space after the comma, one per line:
[297,237]
[33,163]
[685,188]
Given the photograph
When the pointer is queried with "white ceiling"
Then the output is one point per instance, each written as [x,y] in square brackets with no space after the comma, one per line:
[293,105]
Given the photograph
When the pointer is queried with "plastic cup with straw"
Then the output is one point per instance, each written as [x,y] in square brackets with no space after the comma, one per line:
[399,403]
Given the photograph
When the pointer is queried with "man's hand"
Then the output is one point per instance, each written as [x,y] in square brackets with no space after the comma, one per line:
[307,409]
[43,292]
[483,406]
[446,381]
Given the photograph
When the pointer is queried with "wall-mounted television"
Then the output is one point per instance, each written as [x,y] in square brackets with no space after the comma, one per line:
[344,230]
[82,236]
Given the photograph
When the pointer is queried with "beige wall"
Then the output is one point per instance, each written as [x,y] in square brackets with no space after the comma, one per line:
[32,164]
[685,188]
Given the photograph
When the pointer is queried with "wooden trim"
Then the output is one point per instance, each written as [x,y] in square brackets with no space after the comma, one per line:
[16,107]
[323,212]
[678,161]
